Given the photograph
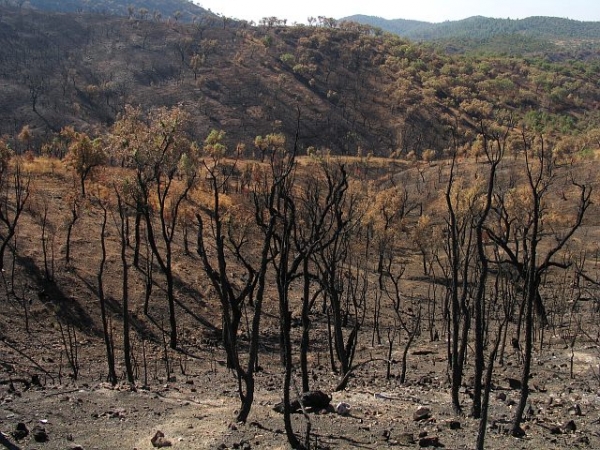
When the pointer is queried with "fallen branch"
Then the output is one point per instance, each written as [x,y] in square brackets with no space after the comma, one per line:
[344,380]
[20,352]
[10,381]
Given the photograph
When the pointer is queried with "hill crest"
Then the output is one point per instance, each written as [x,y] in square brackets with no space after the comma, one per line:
[183,10]
[480,29]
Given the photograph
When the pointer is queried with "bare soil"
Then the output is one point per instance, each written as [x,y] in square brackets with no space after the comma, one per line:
[196,411]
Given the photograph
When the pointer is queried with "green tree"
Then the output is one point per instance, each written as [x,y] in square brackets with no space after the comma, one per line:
[84,154]
[270,144]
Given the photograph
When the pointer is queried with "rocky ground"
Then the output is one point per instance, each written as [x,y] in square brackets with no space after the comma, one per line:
[197,410]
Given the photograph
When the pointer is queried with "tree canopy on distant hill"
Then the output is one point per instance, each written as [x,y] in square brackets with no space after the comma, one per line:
[533,34]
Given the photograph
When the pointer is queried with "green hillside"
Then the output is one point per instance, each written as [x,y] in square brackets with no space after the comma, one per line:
[482,34]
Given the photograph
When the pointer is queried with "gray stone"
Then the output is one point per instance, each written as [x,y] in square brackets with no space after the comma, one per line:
[422,413]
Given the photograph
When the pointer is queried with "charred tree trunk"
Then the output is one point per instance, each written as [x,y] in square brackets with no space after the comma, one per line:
[125,291]
[74,217]
[110,355]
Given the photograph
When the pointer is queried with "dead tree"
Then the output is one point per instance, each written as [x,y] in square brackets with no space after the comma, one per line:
[229,243]
[407,318]
[460,253]
[121,227]
[14,193]
[518,232]
[74,209]
[306,225]
[164,162]
[107,334]
[487,386]
[342,276]
[285,263]
[311,234]
[494,146]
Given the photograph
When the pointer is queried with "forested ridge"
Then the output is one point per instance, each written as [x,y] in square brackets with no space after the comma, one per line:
[184,10]
[479,27]
[550,35]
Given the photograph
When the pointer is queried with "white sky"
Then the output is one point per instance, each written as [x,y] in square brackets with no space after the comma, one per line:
[425,10]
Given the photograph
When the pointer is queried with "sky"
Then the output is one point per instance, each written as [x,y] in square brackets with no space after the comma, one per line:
[424,10]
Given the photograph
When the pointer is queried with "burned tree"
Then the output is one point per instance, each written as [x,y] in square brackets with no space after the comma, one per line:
[14,193]
[520,222]
[223,241]
[164,161]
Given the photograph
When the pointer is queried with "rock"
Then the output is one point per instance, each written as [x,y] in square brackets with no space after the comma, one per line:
[514,383]
[76,447]
[520,432]
[39,434]
[245,445]
[406,439]
[316,399]
[454,425]
[422,413]
[159,440]
[575,410]
[313,400]
[21,431]
[501,425]
[342,408]
[501,396]
[569,427]
[118,413]
[430,441]
[583,440]
[530,411]
[425,380]
[554,429]
[35,380]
